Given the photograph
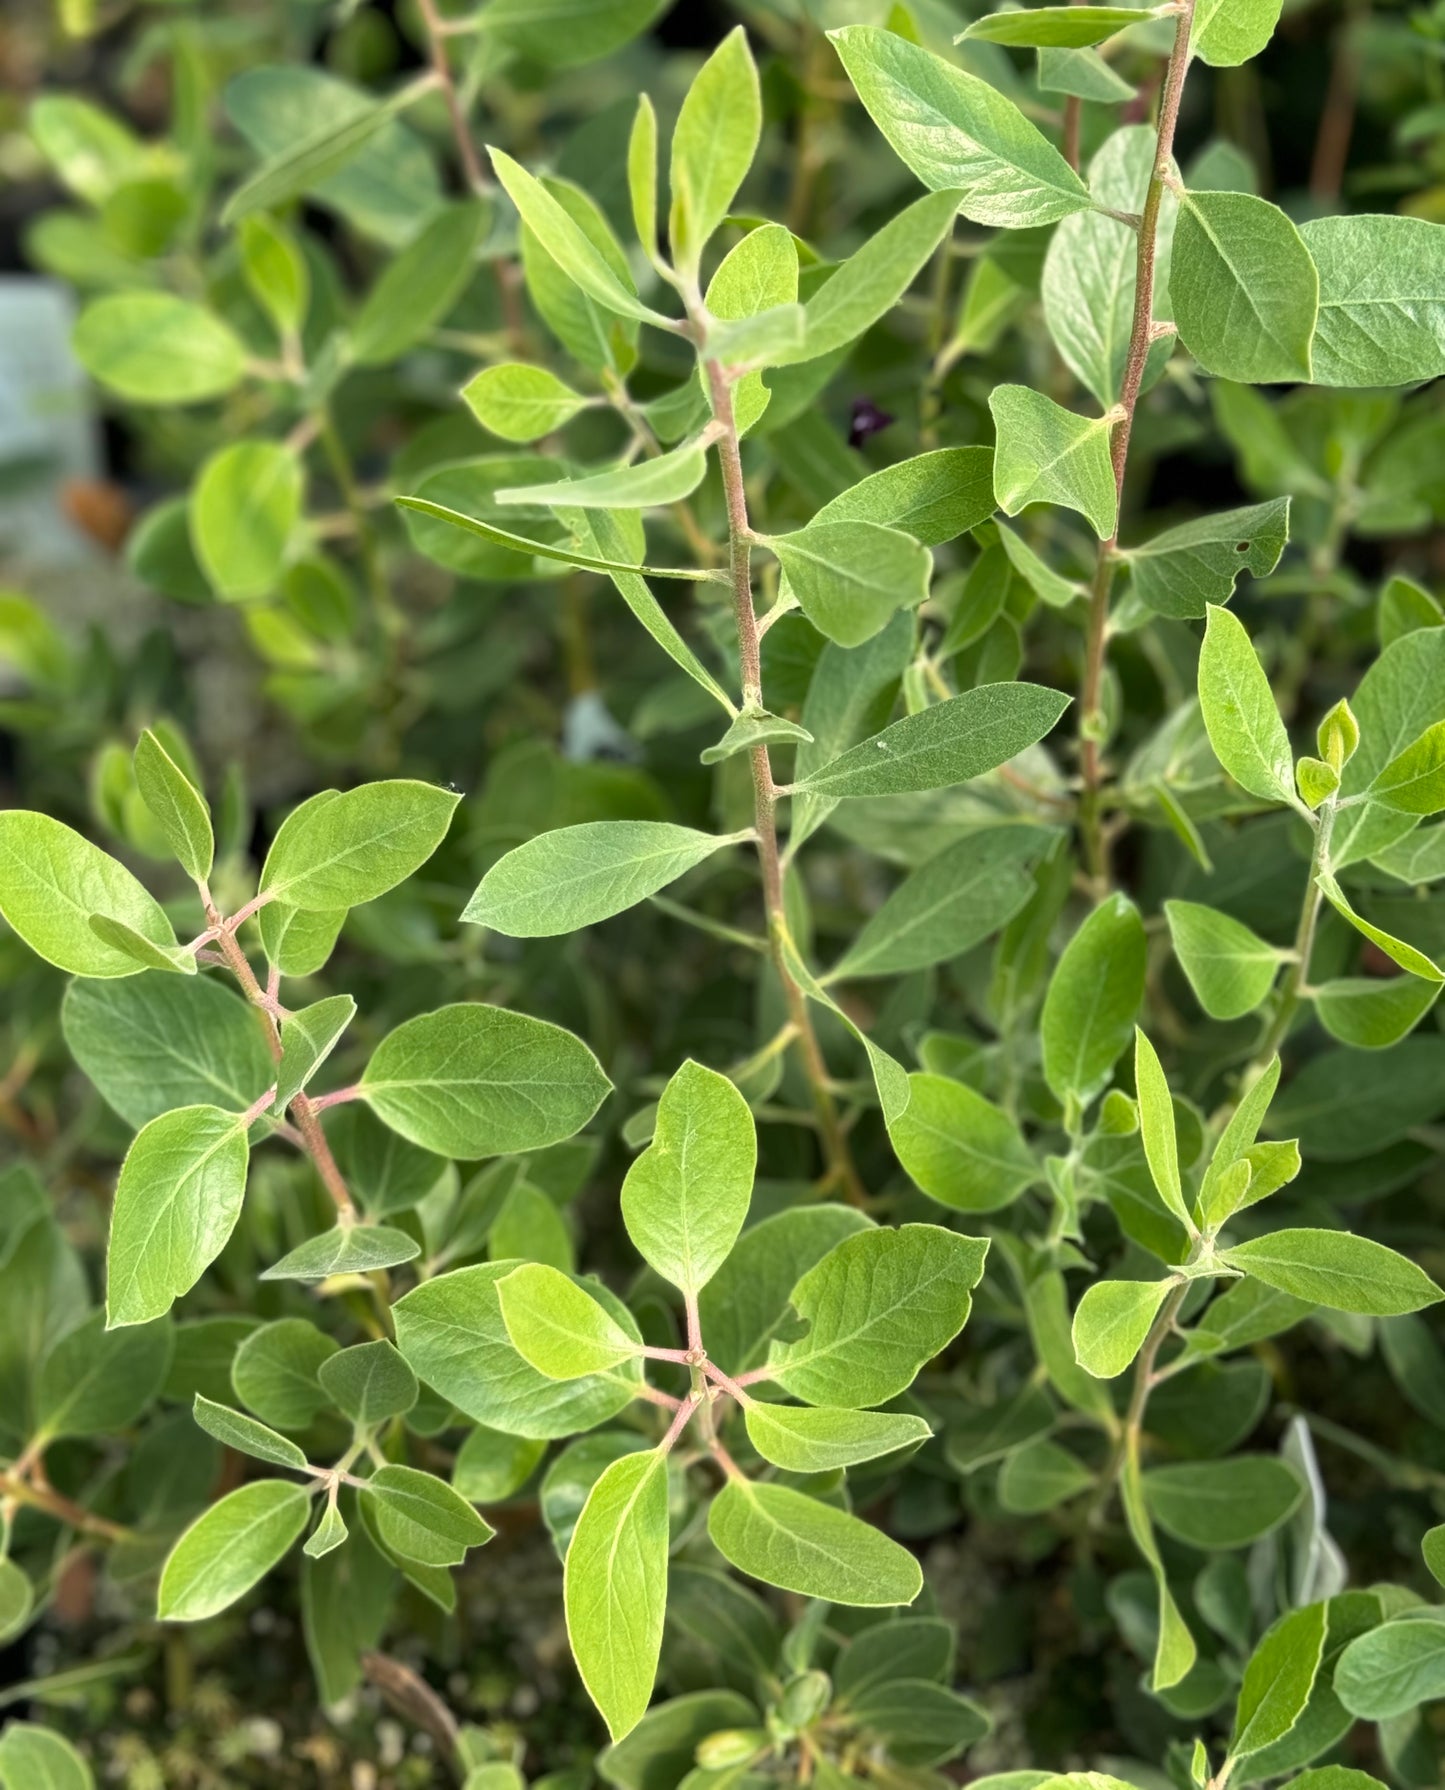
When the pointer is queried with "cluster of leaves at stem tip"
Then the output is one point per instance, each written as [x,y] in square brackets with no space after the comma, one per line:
[762,1367]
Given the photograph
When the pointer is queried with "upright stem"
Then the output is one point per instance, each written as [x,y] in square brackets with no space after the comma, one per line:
[765,798]
[1141,335]
[1296,979]
[307,1121]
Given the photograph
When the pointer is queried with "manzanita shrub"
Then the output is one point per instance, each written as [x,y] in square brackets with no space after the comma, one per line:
[1099,1000]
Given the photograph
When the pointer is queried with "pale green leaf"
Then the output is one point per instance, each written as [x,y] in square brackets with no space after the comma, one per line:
[421,1517]
[236,1430]
[879,1305]
[642,175]
[948,743]
[1046,454]
[1382,299]
[151,348]
[850,577]
[713,144]
[1093,996]
[1278,1680]
[1394,1668]
[566,554]
[34,1758]
[578,876]
[176,1203]
[308,1037]
[345,1249]
[418,288]
[615,1586]
[1244,287]
[1056,27]
[52,881]
[1371,1013]
[1112,1321]
[1397,950]
[820,1439]
[1230,968]
[1222,1504]
[1245,730]
[337,851]
[96,1380]
[1414,781]
[275,1370]
[229,1548]
[369,1381]
[521,403]
[959,1148]
[1336,1270]
[1229,32]
[641,485]
[557,1326]
[1185,569]
[787,1539]
[471,1080]
[1156,1127]
[954,130]
[686,1196]
[177,804]
[751,730]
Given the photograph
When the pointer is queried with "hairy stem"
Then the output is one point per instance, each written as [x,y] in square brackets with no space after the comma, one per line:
[838,1156]
[1095,839]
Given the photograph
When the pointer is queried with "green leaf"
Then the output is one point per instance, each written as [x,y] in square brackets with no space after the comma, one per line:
[33,1758]
[912,1647]
[921,1723]
[1046,454]
[1112,1320]
[751,730]
[565,554]
[643,485]
[787,1539]
[1230,968]
[1382,300]
[521,403]
[490,1466]
[935,497]
[471,1080]
[93,1379]
[1278,1680]
[452,1332]
[1093,996]
[1222,1504]
[686,1196]
[151,348]
[820,1439]
[236,1430]
[1156,1127]
[556,34]
[1400,696]
[337,851]
[229,1548]
[642,175]
[370,1382]
[1371,1014]
[345,1249]
[298,942]
[1056,27]
[1336,1270]
[1244,727]
[176,1203]
[615,1587]
[1039,1476]
[1185,569]
[1413,782]
[117,936]
[954,130]
[316,155]
[276,270]
[875,276]
[959,1148]
[878,1306]
[1228,32]
[578,876]
[52,881]
[418,288]
[1394,1668]
[1244,287]
[421,1518]
[746,1302]
[954,900]
[328,1535]
[275,1372]
[245,507]
[567,243]
[758,275]
[557,1327]
[176,803]
[850,577]
[308,1037]
[713,144]
[17,1600]
[1397,950]
[1345,1106]
[948,743]
[1234,1141]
